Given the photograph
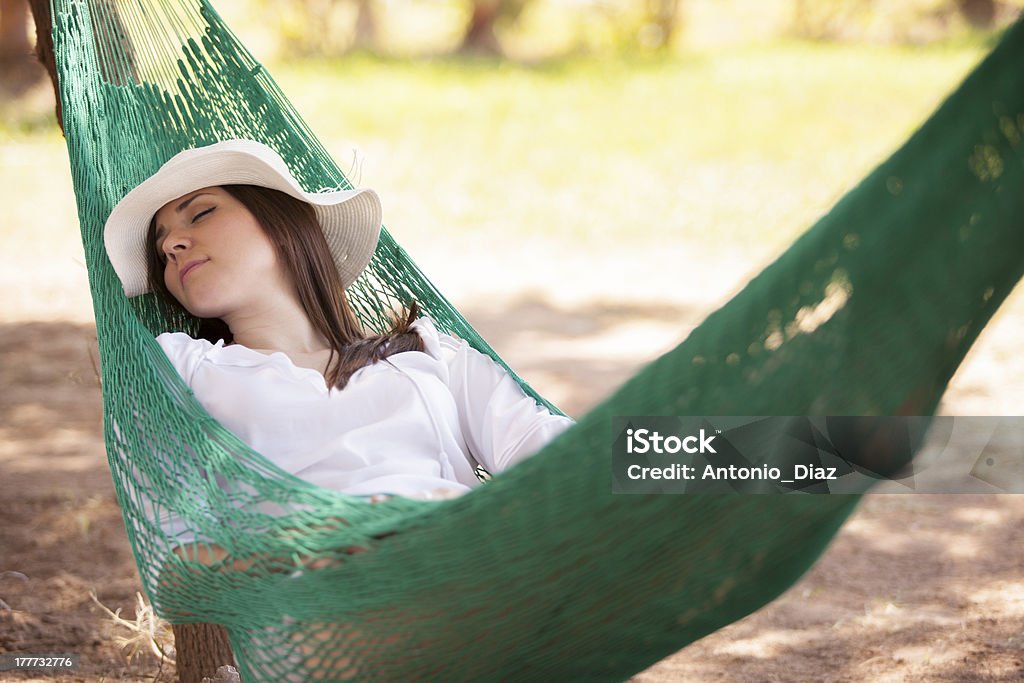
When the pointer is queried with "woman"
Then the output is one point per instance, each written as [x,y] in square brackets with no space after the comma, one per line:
[226,232]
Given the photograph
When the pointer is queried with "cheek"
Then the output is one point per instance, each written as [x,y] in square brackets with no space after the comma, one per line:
[171,282]
[260,256]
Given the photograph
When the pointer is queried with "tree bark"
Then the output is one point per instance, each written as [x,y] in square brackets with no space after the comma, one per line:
[14,39]
[978,13]
[480,37]
[201,648]
[19,72]
[366,25]
[44,50]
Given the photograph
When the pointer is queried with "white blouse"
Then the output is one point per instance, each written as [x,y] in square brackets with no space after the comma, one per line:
[401,426]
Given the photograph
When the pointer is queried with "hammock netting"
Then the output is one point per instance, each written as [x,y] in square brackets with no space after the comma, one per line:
[541,573]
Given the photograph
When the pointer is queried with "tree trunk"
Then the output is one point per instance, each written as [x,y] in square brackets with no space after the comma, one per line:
[14,39]
[978,13]
[366,25]
[480,37]
[201,648]
[662,16]
[18,71]
[44,49]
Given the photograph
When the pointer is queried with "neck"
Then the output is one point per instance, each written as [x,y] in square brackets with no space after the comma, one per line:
[281,326]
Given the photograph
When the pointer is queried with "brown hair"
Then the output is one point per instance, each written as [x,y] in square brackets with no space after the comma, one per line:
[292,226]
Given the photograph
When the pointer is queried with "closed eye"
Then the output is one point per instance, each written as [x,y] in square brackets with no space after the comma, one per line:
[202,213]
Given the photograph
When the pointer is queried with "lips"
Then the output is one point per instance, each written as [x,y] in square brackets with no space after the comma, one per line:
[189,267]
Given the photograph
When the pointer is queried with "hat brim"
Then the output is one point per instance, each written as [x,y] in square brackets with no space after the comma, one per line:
[351,219]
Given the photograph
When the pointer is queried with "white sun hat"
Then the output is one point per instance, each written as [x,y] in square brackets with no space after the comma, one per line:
[351,219]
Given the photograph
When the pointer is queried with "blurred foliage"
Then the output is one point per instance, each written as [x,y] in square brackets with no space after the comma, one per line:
[615,26]
[480,36]
[723,141]
[745,145]
[322,27]
[531,29]
[535,31]
[898,21]
[539,29]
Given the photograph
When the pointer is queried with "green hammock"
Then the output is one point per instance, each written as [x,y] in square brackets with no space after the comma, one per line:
[541,574]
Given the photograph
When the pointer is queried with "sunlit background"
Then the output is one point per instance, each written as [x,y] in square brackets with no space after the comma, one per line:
[541,157]
[586,180]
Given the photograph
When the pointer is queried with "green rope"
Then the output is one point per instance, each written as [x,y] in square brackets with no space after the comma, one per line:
[542,573]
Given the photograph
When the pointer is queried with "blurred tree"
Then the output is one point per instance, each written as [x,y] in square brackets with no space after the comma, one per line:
[480,37]
[366,25]
[629,25]
[659,24]
[913,21]
[826,19]
[978,13]
[324,27]
[19,70]
[15,44]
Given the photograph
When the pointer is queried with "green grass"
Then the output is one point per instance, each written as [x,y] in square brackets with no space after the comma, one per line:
[745,145]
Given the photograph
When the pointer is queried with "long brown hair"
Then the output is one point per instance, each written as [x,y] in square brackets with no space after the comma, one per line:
[292,226]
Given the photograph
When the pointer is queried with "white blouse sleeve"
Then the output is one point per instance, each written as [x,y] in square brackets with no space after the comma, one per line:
[184,352]
[500,423]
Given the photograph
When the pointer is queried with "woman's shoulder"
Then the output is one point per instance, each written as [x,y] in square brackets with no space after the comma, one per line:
[436,343]
[186,352]
[179,342]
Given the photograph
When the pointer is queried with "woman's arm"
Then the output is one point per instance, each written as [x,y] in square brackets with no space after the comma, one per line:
[502,425]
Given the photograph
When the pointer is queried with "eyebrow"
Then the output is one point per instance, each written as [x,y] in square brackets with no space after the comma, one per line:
[160,230]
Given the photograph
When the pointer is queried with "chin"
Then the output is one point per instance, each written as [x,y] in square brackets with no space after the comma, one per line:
[201,302]
[201,310]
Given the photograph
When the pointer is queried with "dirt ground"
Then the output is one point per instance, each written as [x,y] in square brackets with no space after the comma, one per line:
[914,588]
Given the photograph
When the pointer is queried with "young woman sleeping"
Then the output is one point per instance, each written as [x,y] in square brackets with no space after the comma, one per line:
[226,232]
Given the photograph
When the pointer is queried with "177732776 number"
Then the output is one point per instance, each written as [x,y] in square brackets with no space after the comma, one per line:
[9,661]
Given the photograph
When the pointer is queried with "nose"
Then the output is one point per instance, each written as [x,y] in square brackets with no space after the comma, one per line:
[177,240]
